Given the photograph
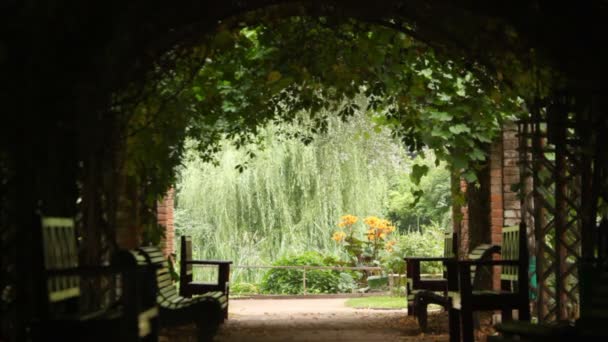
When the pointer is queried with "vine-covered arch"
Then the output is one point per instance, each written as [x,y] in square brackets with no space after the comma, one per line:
[62,144]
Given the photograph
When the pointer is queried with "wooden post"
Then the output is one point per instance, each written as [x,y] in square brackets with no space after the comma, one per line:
[304,280]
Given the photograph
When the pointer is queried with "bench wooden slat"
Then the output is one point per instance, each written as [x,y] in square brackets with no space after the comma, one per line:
[58,315]
[175,309]
[467,298]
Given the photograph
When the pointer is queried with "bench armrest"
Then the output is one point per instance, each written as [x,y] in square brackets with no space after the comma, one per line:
[419,259]
[207,262]
[468,263]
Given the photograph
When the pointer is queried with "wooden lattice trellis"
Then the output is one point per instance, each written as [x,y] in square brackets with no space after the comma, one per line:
[558,163]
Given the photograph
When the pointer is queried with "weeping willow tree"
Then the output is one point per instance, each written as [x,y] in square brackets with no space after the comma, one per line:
[290,196]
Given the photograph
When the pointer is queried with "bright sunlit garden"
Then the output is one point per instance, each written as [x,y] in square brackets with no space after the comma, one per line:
[346,198]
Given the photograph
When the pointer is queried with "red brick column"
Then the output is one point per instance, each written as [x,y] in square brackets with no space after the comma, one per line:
[464,225]
[504,202]
[496,200]
[504,174]
[164,215]
[512,204]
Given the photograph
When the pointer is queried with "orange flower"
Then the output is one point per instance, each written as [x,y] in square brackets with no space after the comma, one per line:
[338,236]
[389,245]
[348,220]
[372,221]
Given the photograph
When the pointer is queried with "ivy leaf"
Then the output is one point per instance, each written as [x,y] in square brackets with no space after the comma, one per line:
[459,128]
[418,171]
[417,196]
[477,154]
[459,162]
[440,116]
[470,176]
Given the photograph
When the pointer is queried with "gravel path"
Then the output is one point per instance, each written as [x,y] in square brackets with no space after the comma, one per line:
[275,320]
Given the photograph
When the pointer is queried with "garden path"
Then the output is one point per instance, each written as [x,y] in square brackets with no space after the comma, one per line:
[275,320]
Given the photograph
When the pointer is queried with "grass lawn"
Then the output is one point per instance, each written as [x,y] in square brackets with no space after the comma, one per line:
[377,302]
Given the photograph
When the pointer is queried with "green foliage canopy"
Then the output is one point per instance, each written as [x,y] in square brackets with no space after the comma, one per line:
[240,78]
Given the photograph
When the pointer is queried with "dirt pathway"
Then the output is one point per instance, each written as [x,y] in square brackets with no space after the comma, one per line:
[297,320]
[322,320]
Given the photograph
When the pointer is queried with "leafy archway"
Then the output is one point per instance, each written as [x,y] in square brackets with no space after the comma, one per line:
[75,74]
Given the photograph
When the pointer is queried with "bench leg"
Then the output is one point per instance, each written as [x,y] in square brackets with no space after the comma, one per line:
[421,305]
[207,325]
[466,316]
[506,315]
[410,308]
[454,324]
[524,311]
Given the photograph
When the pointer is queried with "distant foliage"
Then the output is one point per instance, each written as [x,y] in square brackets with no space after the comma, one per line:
[288,198]
[415,203]
[244,289]
[289,281]
[425,243]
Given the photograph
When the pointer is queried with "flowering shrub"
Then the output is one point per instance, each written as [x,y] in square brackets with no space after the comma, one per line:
[376,234]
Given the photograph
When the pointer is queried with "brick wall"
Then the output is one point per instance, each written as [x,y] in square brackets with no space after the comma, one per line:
[504,203]
[463,229]
[512,204]
[496,191]
[164,215]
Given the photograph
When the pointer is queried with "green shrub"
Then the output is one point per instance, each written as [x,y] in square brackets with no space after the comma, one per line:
[426,244]
[377,282]
[289,281]
[244,289]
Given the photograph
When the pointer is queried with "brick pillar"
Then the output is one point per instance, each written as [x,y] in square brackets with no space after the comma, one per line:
[164,215]
[464,225]
[504,171]
[496,200]
[510,175]
[512,204]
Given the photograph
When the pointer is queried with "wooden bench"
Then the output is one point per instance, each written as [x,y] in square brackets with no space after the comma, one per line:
[60,315]
[206,311]
[591,326]
[465,298]
[416,284]
[423,298]
[188,287]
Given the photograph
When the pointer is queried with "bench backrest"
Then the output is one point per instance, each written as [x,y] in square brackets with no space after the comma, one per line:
[186,272]
[167,292]
[450,245]
[481,252]
[510,251]
[59,252]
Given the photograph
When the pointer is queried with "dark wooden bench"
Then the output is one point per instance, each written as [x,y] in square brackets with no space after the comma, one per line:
[188,287]
[61,315]
[423,298]
[206,311]
[417,285]
[465,299]
[591,326]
